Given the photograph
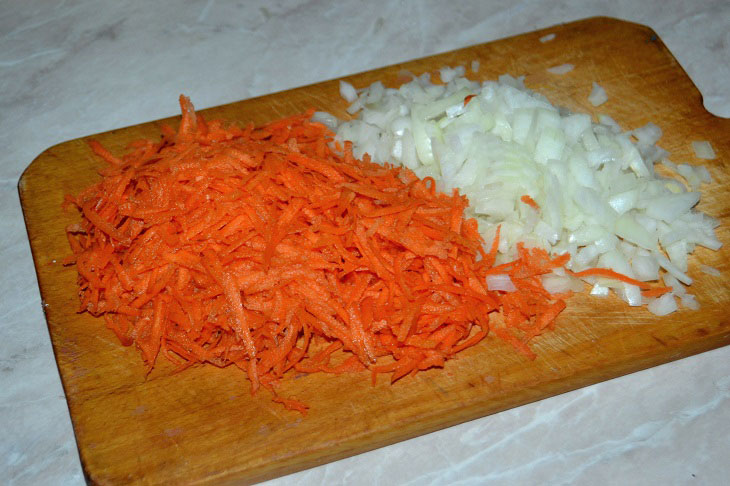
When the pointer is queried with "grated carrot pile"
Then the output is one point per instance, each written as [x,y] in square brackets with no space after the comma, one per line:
[267,249]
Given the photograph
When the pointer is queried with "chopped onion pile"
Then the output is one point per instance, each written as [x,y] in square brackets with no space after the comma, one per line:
[599,196]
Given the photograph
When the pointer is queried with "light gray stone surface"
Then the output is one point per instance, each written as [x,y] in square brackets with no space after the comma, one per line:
[72,68]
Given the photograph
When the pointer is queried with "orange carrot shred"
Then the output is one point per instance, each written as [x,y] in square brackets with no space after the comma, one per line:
[656,292]
[530,202]
[612,274]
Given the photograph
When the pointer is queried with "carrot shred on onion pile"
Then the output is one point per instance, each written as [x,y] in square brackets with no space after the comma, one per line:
[269,249]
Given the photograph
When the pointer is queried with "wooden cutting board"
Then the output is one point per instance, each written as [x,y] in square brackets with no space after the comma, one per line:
[203,427]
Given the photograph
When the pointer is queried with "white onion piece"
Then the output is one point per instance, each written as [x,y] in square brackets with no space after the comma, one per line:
[624,201]
[661,306]
[558,284]
[448,74]
[631,294]
[598,95]
[500,282]
[703,150]
[672,269]
[677,253]
[647,135]
[328,120]
[547,38]
[703,174]
[355,107]
[630,230]
[646,268]
[671,206]
[689,301]
[690,175]
[710,270]
[669,164]
[610,123]
[616,261]
[599,290]
[347,91]
[677,287]
[586,257]
[561,69]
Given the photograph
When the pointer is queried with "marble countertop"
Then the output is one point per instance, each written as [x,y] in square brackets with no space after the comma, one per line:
[71,68]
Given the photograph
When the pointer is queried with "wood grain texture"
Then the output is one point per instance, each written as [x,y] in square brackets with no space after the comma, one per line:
[203,427]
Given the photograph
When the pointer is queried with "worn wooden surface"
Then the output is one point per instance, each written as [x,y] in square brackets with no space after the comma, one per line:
[203,427]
